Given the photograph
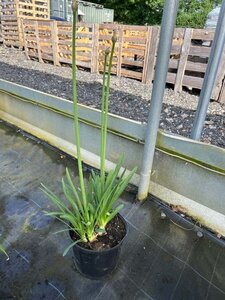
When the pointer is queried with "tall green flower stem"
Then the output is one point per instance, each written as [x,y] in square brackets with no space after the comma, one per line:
[85,207]
[102,169]
[76,120]
[105,107]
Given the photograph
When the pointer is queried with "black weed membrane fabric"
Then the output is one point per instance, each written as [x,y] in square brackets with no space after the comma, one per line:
[159,260]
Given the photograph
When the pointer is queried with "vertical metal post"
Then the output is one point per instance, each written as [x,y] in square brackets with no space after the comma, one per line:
[210,75]
[162,63]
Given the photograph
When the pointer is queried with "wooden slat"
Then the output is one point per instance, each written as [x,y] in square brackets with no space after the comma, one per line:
[108,26]
[10,38]
[188,81]
[25,41]
[9,18]
[135,40]
[190,66]
[222,94]
[105,37]
[175,50]
[134,63]
[32,54]
[38,42]
[85,45]
[120,50]
[64,42]
[83,64]
[47,51]
[95,47]
[135,28]
[178,33]
[46,56]
[183,60]
[152,55]
[133,74]
[200,51]
[35,47]
[203,34]
[55,47]
[194,82]
[196,67]
[65,51]
[133,51]
[84,54]
[220,78]
[147,50]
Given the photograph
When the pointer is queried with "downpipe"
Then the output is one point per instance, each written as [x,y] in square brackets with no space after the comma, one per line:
[162,63]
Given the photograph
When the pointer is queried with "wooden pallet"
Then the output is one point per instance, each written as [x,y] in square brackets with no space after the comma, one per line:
[135,51]
[12,11]
[130,50]
[189,60]
[52,41]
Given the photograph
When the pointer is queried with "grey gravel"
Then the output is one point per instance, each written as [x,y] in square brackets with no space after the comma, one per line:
[128,98]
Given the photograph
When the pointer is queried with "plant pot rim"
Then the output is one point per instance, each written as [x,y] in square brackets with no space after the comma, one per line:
[104,250]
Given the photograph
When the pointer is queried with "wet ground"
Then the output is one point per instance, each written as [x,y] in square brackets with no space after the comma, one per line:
[159,260]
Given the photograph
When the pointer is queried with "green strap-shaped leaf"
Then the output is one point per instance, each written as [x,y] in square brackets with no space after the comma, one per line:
[3,251]
[70,246]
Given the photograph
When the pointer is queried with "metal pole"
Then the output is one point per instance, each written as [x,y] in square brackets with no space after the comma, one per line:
[163,56]
[210,75]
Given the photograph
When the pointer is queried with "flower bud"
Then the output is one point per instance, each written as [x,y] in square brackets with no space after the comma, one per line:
[114,37]
[107,51]
[74,5]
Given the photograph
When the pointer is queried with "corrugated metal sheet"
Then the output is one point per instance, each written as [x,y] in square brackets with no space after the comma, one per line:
[57,8]
[96,15]
[92,13]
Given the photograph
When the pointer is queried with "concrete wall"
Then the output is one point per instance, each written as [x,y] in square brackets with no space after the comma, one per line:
[186,173]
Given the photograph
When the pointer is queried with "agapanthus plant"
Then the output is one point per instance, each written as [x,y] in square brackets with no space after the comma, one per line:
[94,206]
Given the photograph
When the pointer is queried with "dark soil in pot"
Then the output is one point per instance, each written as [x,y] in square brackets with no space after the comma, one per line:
[99,258]
[115,232]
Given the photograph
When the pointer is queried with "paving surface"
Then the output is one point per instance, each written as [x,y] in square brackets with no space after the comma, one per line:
[128,98]
[159,260]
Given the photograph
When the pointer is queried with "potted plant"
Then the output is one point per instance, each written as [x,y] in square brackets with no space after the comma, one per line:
[92,218]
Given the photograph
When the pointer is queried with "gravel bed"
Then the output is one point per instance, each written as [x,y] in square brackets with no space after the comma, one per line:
[128,98]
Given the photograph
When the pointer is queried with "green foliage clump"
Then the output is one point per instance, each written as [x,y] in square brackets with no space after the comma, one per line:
[88,211]
[137,12]
[191,13]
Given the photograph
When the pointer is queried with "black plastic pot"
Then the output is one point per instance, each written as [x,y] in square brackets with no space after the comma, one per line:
[96,264]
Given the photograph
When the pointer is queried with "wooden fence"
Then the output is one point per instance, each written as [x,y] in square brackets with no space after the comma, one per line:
[11,13]
[51,40]
[135,51]
[189,59]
